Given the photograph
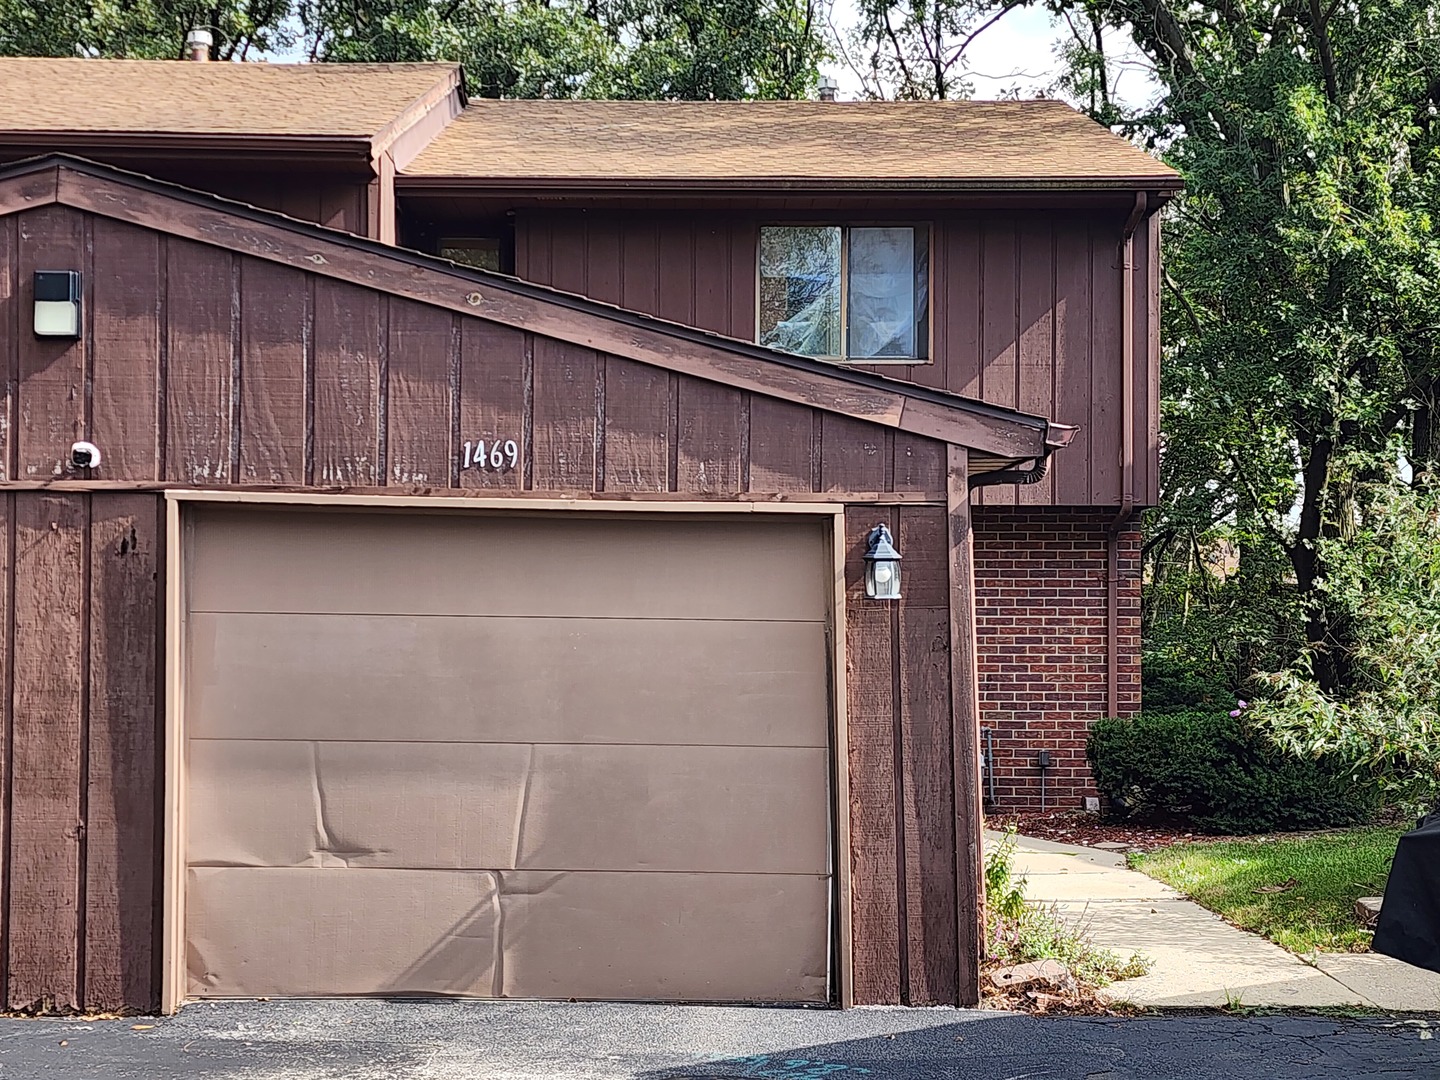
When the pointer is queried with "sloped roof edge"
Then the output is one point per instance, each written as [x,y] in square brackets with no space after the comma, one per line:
[265,234]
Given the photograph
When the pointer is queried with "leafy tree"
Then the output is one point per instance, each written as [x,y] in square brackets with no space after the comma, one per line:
[1299,376]
[914,50]
[1300,308]
[514,48]
[1386,722]
[142,29]
[685,49]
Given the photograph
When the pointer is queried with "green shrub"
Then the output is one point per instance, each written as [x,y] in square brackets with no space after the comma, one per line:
[1213,771]
[1169,684]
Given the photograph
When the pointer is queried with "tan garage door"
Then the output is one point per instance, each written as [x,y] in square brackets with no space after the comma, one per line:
[506,756]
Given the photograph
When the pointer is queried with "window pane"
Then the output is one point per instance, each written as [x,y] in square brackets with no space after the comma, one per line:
[800,290]
[482,253]
[886,291]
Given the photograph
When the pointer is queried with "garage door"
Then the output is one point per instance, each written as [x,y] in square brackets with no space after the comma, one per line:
[506,756]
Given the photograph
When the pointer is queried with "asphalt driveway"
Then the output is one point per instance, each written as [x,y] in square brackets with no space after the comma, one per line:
[373,1040]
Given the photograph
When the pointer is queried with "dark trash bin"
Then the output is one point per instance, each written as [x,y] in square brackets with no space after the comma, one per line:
[1409,924]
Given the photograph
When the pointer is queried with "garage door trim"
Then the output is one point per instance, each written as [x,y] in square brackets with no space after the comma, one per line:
[173,938]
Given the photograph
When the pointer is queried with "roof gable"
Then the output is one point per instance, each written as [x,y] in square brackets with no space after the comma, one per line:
[1003,433]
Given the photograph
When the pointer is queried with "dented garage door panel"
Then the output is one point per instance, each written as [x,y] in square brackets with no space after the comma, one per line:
[513,934]
[506,806]
[507,757]
[305,676]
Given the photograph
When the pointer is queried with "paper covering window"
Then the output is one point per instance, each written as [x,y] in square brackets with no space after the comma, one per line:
[845,292]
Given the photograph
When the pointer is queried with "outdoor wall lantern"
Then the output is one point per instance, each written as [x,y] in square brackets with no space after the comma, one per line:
[57,303]
[882,565]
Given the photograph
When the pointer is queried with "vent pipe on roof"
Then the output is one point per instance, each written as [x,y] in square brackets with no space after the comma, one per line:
[829,87]
[197,44]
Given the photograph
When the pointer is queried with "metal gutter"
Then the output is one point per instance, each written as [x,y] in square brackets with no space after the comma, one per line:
[1127,455]
[135,141]
[753,186]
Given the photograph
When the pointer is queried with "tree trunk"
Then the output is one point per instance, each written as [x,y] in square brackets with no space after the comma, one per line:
[1304,554]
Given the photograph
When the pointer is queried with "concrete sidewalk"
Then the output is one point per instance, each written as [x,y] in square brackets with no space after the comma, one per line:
[1199,959]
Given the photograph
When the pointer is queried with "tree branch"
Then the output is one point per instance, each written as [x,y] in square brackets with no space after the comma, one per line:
[1320,25]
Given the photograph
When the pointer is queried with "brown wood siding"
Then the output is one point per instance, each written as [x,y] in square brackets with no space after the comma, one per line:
[81,704]
[218,369]
[1026,314]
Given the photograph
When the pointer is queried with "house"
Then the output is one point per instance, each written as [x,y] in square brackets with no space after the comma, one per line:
[437,534]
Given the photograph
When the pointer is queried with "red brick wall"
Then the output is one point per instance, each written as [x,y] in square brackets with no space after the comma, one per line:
[1040,595]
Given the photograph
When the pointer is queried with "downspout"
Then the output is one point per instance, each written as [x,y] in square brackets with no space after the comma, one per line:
[1127,453]
[1057,437]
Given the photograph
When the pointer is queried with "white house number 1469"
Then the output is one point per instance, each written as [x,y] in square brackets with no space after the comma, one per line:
[494,455]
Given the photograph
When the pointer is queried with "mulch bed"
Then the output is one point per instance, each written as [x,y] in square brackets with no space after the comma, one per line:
[1087,829]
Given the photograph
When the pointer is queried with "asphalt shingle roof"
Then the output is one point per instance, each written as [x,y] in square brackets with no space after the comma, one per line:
[779,141]
[45,96]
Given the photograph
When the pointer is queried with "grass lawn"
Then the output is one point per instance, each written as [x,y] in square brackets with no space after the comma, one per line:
[1331,871]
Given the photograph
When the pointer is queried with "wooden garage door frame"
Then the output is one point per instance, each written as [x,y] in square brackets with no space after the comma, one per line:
[173,910]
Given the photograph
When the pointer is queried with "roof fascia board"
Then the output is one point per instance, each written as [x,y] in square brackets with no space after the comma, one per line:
[749,188]
[549,313]
[139,141]
[27,188]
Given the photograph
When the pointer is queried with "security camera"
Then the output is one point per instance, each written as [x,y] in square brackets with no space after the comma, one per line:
[84,455]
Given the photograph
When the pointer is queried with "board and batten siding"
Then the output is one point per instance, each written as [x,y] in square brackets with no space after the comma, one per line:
[202,367]
[1026,313]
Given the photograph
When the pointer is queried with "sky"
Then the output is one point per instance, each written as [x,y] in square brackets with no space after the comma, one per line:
[1017,53]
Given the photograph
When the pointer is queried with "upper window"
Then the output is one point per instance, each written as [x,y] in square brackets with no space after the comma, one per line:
[845,292]
[481,252]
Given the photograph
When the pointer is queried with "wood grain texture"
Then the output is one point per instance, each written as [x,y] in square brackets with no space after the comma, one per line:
[919,463]
[10,316]
[1105,367]
[52,370]
[853,455]
[492,400]
[676,275]
[744,278]
[961,294]
[1146,385]
[927,762]
[124,725]
[46,825]
[273,328]
[568,255]
[874,852]
[342,206]
[603,269]
[348,345]
[640,285]
[419,395]
[200,307]
[7,717]
[1036,355]
[564,416]
[1071,467]
[711,421]
[965,737]
[999,344]
[457,293]
[637,428]
[710,278]
[782,445]
[125,370]
[28,191]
